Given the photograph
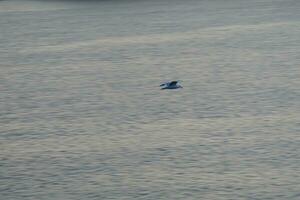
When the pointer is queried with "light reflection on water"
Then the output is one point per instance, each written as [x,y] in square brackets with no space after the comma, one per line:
[82,116]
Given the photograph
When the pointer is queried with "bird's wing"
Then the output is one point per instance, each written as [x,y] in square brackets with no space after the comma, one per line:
[173,83]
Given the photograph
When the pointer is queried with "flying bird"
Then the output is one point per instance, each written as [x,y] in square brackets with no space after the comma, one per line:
[170,85]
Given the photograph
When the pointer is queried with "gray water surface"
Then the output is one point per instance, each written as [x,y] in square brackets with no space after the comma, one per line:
[82,116]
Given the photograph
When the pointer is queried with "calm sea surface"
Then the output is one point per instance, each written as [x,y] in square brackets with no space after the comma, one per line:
[82,116]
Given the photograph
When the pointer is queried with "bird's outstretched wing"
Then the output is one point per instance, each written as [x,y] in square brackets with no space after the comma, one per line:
[173,83]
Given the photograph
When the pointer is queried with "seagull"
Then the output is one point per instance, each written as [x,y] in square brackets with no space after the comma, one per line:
[170,85]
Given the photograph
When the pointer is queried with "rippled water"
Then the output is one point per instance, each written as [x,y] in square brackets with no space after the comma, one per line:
[82,116]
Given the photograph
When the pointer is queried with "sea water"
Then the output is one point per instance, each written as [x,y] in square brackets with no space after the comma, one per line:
[82,115]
